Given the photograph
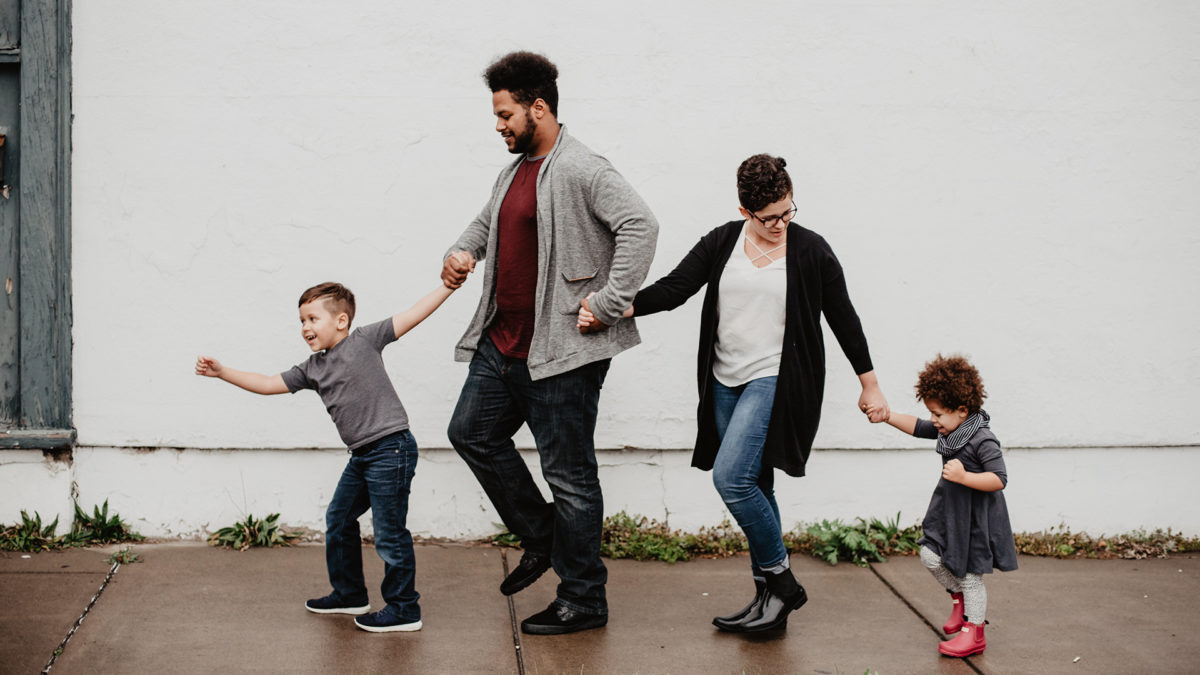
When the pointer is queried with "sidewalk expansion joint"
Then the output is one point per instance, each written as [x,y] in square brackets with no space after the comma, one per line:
[512,619]
[920,616]
[63,645]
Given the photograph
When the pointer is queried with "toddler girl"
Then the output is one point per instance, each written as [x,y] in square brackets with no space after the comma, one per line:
[966,526]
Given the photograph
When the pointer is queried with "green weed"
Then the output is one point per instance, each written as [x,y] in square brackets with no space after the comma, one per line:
[253,532]
[30,535]
[125,556]
[100,528]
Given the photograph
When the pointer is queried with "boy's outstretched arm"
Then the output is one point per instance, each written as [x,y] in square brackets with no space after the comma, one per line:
[406,320]
[255,382]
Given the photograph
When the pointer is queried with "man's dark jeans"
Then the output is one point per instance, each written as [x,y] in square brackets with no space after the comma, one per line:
[378,477]
[497,398]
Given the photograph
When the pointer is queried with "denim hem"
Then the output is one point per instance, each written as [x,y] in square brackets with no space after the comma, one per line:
[411,615]
[590,611]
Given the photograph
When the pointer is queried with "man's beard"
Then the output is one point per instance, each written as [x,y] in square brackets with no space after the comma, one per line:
[523,141]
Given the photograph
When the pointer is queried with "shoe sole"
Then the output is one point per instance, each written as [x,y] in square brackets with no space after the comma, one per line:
[524,583]
[561,630]
[398,628]
[352,611]
[961,656]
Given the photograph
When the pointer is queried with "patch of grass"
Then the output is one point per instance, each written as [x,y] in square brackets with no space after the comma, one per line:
[1060,542]
[100,528]
[636,537]
[125,556]
[30,536]
[252,532]
[507,540]
[862,542]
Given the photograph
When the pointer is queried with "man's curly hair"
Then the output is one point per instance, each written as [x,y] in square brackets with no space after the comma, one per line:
[953,382]
[527,76]
[762,180]
[338,299]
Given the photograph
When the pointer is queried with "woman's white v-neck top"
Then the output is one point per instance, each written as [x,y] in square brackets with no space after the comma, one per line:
[750,319]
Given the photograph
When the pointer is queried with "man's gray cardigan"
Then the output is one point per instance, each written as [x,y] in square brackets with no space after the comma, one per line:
[594,234]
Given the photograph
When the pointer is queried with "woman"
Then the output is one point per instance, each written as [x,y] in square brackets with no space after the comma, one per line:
[761,365]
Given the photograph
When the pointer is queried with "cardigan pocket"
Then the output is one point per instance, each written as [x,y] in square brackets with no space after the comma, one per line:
[575,286]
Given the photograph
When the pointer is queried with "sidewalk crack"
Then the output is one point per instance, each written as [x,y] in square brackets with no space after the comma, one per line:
[63,645]
[920,616]
[512,620]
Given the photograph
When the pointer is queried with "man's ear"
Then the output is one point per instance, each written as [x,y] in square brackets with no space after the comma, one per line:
[539,108]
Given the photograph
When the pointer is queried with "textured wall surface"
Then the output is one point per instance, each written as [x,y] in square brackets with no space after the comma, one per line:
[1015,181]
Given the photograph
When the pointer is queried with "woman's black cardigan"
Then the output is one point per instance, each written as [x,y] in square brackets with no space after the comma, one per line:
[815,284]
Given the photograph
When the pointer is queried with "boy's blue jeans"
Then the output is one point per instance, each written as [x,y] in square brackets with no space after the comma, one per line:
[377,477]
[742,415]
[497,398]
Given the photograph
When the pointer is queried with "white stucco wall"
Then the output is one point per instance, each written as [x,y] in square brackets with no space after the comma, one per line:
[1016,181]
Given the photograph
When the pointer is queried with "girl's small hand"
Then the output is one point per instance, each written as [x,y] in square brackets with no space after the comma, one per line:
[953,471]
[208,366]
[875,415]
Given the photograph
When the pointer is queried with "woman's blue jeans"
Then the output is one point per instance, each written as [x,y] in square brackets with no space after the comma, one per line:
[742,415]
[378,477]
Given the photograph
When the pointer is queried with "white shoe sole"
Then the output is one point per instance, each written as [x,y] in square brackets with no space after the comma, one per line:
[398,628]
[353,611]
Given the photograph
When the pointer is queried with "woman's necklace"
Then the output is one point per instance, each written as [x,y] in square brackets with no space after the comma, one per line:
[763,254]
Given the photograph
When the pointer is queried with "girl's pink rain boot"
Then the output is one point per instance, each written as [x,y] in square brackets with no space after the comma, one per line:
[970,640]
[955,622]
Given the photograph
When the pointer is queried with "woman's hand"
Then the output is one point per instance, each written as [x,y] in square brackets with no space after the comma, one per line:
[587,322]
[872,402]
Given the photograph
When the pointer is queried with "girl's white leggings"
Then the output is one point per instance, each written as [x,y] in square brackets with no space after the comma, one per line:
[971,586]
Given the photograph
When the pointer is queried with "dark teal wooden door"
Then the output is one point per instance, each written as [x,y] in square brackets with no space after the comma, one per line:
[10,319]
[35,243]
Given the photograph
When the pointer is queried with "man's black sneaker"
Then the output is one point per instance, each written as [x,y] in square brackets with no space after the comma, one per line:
[332,604]
[532,566]
[558,619]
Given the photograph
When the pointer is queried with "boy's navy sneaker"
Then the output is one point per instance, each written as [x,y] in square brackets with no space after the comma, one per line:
[385,621]
[332,604]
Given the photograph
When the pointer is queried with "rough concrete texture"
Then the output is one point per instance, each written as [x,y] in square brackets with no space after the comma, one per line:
[188,608]
[41,596]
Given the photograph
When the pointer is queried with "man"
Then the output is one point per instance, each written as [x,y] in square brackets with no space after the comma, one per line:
[561,225]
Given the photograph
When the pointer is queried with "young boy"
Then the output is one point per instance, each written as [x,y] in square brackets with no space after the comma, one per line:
[347,371]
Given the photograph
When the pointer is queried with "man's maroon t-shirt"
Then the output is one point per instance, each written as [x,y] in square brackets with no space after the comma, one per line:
[516,264]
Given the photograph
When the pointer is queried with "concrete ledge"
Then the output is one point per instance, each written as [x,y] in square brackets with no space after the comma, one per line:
[190,492]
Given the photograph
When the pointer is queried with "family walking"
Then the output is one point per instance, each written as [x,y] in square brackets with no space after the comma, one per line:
[565,245]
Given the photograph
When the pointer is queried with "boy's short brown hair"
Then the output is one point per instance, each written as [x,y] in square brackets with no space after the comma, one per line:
[339,299]
[953,382]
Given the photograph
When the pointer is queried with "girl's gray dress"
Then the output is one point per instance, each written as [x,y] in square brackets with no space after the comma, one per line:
[968,528]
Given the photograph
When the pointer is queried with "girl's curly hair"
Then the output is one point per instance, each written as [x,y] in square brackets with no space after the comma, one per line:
[761,181]
[953,382]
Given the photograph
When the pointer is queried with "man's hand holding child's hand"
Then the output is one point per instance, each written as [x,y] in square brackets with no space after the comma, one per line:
[456,268]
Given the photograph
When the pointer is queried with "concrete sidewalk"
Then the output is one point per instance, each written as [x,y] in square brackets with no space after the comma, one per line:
[189,608]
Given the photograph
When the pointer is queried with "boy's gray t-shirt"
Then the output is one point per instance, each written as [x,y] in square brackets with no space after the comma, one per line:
[354,386]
